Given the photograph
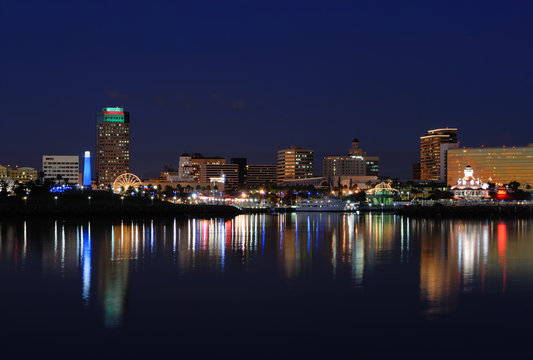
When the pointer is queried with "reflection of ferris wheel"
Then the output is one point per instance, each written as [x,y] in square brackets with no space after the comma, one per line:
[126,181]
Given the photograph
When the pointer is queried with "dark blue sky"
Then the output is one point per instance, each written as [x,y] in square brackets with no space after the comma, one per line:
[245,78]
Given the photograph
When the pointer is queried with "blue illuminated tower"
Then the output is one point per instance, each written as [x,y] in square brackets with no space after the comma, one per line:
[87,171]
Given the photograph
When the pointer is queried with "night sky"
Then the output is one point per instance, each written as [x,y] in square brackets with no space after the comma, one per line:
[246,78]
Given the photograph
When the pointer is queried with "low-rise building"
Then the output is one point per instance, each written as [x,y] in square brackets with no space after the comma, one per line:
[61,167]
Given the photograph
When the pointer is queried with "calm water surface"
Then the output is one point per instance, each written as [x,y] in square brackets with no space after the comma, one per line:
[260,286]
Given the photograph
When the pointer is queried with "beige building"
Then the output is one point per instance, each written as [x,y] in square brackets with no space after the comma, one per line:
[431,150]
[496,165]
[19,174]
[294,163]
[214,172]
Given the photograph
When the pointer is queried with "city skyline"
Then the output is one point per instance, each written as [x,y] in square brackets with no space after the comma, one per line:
[234,80]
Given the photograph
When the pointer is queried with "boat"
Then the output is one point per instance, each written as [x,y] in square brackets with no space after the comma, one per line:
[319,205]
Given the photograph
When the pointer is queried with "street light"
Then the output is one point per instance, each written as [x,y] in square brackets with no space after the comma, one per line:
[122,199]
[25,198]
[89,198]
[174,199]
[152,198]
[55,199]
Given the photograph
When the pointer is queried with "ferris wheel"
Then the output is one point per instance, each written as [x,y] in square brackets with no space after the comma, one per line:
[126,181]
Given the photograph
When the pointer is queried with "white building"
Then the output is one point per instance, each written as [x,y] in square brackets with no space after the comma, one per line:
[185,168]
[65,166]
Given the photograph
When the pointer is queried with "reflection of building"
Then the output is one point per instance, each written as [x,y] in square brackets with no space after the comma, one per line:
[469,187]
[113,144]
[65,167]
[294,163]
[432,154]
[497,165]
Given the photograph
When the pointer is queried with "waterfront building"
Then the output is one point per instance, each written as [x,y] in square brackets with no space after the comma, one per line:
[500,165]
[258,175]
[431,156]
[212,173]
[21,174]
[382,194]
[61,167]
[113,144]
[357,163]
[185,169]
[294,163]
[469,187]
[198,161]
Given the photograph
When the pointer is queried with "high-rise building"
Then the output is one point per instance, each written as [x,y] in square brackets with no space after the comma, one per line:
[294,163]
[257,175]
[113,144]
[416,171]
[496,165]
[185,169]
[61,167]
[430,152]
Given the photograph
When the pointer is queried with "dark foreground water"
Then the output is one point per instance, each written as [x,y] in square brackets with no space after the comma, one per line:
[260,286]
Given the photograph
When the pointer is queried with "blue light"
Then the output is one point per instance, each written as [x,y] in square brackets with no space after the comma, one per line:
[60,189]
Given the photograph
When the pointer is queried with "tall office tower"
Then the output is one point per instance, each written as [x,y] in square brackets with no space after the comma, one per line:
[113,144]
[430,152]
[87,184]
[242,169]
[294,163]
[61,167]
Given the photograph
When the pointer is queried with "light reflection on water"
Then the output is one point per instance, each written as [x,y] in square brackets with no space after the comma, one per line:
[453,257]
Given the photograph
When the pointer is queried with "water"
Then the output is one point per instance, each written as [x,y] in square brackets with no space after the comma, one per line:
[260,286]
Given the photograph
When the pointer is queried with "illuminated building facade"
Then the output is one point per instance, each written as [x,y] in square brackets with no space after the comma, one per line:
[19,174]
[113,144]
[61,167]
[357,163]
[469,187]
[294,163]
[198,161]
[432,154]
[230,172]
[496,165]
[185,168]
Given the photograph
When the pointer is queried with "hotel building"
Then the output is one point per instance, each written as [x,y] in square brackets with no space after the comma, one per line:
[210,173]
[496,165]
[433,151]
[65,167]
[294,163]
[357,163]
[113,144]
[197,161]
[19,174]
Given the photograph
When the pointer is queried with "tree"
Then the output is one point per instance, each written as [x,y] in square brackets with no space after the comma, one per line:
[514,185]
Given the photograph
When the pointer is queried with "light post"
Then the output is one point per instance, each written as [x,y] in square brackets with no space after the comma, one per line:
[89,198]
[25,198]
[122,199]
[152,198]
[174,200]
[55,200]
